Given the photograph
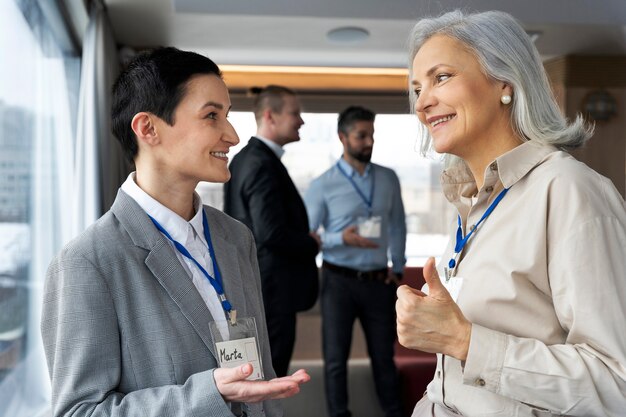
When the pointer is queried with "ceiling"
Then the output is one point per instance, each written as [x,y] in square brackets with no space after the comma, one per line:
[293,32]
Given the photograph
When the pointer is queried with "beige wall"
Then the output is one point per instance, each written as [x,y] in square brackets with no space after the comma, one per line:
[606,151]
[572,78]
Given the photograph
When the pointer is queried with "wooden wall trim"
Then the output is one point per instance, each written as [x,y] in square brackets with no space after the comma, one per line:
[319,79]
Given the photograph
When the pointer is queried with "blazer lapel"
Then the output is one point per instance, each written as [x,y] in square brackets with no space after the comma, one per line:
[164,265]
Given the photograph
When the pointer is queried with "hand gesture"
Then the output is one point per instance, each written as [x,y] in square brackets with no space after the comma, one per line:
[351,237]
[432,322]
[392,277]
[232,384]
[317,239]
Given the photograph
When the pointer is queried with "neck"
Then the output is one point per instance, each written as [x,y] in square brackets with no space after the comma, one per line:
[175,194]
[267,134]
[478,162]
[494,142]
[355,163]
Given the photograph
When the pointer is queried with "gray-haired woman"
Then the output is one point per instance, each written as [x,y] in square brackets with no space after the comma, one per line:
[526,309]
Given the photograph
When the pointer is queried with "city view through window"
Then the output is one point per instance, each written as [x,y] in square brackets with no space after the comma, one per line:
[428,214]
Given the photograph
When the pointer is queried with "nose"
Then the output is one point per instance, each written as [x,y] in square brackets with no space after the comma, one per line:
[230,135]
[424,100]
[300,120]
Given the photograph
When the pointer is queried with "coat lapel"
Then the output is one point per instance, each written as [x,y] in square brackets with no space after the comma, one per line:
[165,266]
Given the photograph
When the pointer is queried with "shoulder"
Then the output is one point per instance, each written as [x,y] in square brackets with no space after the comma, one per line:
[227,227]
[380,169]
[385,172]
[99,244]
[562,172]
[248,152]
[572,187]
[323,179]
[252,159]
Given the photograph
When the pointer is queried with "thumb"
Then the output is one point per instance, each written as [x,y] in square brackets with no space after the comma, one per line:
[236,374]
[431,276]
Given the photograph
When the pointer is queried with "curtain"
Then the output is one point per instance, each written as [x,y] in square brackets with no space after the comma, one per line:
[59,171]
[37,111]
[99,164]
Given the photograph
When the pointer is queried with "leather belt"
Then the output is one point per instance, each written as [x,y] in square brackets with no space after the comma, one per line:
[375,275]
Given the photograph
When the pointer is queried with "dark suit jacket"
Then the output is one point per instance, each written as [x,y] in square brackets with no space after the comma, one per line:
[262,196]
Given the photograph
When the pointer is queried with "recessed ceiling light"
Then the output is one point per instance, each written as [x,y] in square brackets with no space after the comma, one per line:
[348,34]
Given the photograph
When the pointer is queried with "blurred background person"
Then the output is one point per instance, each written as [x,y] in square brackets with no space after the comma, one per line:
[359,206]
[525,309]
[262,195]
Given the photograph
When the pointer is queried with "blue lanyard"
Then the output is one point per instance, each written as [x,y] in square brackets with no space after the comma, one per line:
[462,241]
[215,282]
[368,201]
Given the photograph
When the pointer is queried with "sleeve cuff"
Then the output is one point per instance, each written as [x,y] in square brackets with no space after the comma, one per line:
[204,397]
[485,359]
[330,240]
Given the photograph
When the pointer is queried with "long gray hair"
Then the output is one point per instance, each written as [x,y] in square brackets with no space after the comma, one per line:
[506,54]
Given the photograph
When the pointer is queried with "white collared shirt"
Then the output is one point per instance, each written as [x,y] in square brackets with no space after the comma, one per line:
[275,147]
[190,234]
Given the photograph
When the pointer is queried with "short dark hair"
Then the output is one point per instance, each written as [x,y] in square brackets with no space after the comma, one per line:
[155,82]
[270,97]
[353,114]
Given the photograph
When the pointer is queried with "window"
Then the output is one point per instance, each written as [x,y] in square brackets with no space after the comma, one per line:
[38,92]
[428,213]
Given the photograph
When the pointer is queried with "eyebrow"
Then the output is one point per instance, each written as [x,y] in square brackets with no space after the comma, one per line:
[215,104]
[431,71]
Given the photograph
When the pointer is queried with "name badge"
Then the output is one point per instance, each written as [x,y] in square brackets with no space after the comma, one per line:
[240,346]
[370,227]
[453,285]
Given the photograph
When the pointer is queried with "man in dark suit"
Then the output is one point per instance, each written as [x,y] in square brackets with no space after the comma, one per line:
[262,195]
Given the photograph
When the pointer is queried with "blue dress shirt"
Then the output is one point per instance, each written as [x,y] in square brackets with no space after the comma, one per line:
[333,204]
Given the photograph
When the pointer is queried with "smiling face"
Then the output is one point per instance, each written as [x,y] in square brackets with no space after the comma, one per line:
[287,123]
[456,101]
[195,147]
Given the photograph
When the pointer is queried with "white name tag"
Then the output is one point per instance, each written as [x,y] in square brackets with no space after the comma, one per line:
[453,286]
[370,227]
[238,352]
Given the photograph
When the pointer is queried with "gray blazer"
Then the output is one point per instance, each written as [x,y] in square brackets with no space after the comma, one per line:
[126,332]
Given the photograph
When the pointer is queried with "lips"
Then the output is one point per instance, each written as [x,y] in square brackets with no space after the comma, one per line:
[434,121]
[220,155]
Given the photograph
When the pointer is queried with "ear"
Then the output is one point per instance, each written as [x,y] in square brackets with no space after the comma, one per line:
[143,124]
[507,90]
[267,116]
[342,137]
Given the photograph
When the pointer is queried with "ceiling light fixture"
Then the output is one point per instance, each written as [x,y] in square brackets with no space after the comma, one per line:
[348,34]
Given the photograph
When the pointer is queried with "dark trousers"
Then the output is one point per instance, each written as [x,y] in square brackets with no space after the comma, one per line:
[343,299]
[282,334]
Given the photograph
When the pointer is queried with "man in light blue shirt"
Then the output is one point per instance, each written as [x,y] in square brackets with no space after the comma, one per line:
[359,207]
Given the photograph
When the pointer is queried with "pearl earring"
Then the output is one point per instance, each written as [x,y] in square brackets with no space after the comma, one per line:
[506,99]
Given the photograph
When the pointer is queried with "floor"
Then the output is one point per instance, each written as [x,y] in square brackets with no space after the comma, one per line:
[311,402]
